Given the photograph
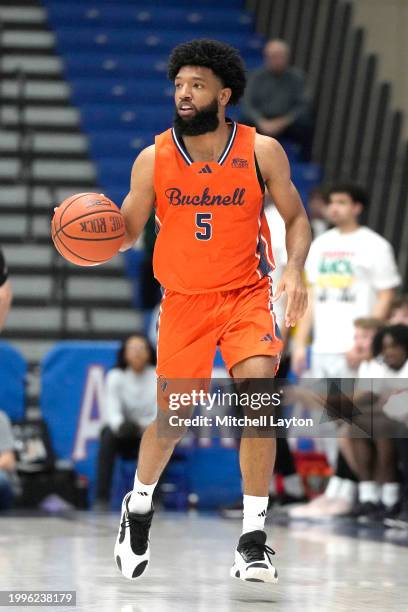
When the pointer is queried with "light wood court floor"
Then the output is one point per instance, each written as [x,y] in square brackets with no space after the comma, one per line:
[320,568]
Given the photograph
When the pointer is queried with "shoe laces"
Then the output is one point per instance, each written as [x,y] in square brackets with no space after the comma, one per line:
[256,552]
[139,533]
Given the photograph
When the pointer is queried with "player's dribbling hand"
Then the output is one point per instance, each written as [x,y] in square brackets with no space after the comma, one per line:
[293,285]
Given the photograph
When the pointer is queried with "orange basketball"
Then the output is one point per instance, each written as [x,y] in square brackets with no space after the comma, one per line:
[87,229]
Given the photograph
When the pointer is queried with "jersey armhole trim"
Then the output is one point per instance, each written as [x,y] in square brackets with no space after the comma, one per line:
[259,175]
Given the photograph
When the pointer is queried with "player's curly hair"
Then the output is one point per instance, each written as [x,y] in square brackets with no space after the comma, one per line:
[222,59]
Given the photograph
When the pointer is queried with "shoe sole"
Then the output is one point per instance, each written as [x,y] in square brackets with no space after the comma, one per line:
[257,575]
[138,571]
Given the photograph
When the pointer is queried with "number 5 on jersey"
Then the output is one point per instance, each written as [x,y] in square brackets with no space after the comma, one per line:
[202,221]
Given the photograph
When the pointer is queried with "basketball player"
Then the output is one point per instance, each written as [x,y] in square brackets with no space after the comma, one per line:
[206,178]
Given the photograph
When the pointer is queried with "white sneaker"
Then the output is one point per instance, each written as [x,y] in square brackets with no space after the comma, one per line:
[132,550]
[252,559]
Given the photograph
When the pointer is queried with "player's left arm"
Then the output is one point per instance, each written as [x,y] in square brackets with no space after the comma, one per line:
[275,170]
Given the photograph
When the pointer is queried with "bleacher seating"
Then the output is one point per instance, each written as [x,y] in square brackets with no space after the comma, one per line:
[83,90]
[115,58]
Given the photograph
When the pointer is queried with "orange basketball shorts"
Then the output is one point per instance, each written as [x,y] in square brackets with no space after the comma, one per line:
[190,327]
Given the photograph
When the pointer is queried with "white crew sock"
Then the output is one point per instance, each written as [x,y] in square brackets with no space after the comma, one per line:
[368,491]
[293,485]
[348,490]
[333,487]
[390,493]
[254,513]
[140,501]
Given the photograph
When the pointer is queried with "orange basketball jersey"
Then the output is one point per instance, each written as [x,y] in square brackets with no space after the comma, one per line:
[212,231]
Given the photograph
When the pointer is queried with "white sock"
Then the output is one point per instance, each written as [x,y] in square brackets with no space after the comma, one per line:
[140,501]
[368,491]
[390,493]
[254,513]
[333,487]
[293,485]
[348,490]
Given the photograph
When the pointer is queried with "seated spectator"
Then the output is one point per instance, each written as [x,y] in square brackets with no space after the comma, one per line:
[397,408]
[339,496]
[130,406]
[276,101]
[366,329]
[7,463]
[376,460]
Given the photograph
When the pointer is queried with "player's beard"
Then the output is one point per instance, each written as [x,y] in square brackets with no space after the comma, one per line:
[205,120]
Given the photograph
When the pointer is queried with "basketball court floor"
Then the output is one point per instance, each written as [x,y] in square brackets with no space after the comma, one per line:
[321,567]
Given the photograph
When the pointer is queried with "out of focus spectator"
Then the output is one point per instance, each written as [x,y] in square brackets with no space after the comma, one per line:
[7,462]
[361,351]
[340,493]
[317,209]
[130,406]
[390,351]
[376,461]
[395,350]
[5,291]
[352,273]
[276,100]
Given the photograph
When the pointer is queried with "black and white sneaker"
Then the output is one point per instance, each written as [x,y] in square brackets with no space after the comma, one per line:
[400,521]
[132,550]
[253,559]
[366,511]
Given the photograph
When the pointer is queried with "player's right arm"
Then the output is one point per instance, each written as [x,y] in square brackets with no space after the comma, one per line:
[139,202]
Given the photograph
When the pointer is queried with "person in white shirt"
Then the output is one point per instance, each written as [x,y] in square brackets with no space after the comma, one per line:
[130,406]
[396,407]
[385,376]
[352,273]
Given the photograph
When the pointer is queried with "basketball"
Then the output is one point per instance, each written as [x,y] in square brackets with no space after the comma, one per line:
[87,229]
